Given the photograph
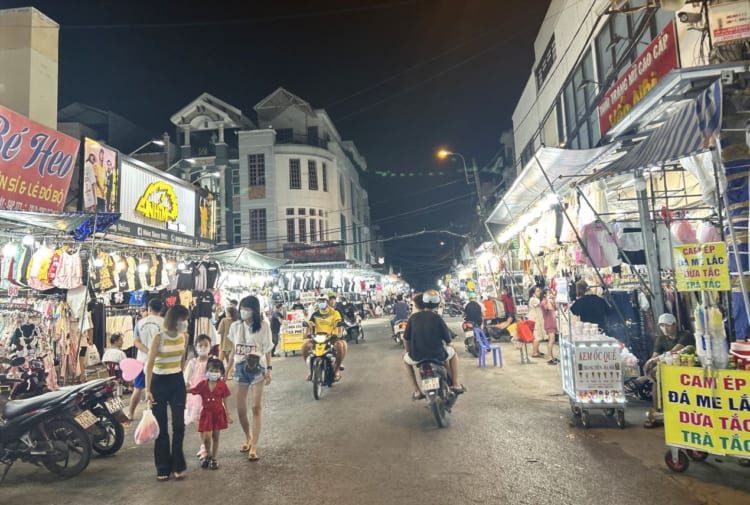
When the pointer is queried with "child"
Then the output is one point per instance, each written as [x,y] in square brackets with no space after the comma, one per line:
[215,414]
[114,354]
[195,373]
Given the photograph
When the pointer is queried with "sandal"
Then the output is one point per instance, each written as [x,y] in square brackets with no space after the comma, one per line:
[162,478]
[417,395]
[538,355]
[253,455]
[652,424]
[214,465]
[337,377]
[247,445]
[458,390]
[179,475]
[309,378]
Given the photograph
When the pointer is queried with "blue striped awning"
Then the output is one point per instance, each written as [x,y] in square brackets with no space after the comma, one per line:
[690,129]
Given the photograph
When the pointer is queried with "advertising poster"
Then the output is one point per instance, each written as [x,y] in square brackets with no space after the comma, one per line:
[598,373]
[707,411]
[36,164]
[101,177]
[730,22]
[206,206]
[701,267]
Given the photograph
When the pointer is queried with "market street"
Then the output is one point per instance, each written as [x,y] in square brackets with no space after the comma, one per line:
[511,441]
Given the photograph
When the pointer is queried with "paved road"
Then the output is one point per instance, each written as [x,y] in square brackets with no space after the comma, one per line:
[365,442]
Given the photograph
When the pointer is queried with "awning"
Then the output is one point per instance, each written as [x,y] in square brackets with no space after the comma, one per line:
[79,224]
[687,130]
[246,259]
[563,167]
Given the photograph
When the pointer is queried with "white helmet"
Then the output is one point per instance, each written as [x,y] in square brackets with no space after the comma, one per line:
[431,298]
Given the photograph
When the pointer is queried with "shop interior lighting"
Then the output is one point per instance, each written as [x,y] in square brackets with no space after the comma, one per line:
[181,265]
[142,268]
[28,240]
[98,262]
[9,250]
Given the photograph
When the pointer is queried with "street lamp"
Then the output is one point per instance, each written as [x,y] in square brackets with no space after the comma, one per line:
[444,154]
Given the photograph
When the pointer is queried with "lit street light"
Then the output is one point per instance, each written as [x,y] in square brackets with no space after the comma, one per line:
[444,154]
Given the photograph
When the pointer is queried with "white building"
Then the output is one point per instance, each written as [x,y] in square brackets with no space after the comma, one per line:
[300,182]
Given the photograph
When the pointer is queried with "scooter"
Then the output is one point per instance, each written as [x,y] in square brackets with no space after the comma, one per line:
[453,310]
[322,363]
[98,397]
[353,331]
[436,388]
[47,430]
[470,338]
[399,328]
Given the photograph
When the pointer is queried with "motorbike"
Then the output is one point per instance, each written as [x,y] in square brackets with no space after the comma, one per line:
[322,362]
[98,397]
[46,430]
[353,331]
[436,387]
[399,328]
[470,338]
[453,310]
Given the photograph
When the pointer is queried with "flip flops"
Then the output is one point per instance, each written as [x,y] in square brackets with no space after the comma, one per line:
[253,455]
[247,445]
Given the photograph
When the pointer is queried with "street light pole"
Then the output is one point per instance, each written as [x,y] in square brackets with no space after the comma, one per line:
[443,153]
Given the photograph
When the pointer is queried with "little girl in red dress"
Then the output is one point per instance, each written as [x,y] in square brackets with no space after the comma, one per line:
[215,414]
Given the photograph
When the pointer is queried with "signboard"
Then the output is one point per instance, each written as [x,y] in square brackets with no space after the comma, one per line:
[36,164]
[707,412]
[598,372]
[729,22]
[548,58]
[316,252]
[654,63]
[100,177]
[160,209]
[701,267]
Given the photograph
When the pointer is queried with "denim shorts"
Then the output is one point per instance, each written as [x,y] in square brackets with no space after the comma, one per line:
[245,377]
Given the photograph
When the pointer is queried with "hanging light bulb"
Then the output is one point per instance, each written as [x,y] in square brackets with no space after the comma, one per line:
[9,250]
[98,262]
[169,266]
[28,240]
[143,268]
[181,265]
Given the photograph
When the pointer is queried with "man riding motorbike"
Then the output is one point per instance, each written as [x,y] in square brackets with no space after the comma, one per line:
[326,319]
[400,310]
[473,311]
[427,337]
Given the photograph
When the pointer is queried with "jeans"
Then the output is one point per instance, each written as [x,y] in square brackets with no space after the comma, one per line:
[169,389]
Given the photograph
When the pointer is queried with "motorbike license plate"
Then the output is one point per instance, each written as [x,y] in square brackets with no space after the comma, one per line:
[86,419]
[114,405]
[430,384]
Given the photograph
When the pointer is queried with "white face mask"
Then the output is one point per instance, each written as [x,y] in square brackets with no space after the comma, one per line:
[322,306]
[213,376]
[202,351]
[182,327]
[246,314]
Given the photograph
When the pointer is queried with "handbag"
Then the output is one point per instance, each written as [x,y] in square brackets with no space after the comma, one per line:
[92,356]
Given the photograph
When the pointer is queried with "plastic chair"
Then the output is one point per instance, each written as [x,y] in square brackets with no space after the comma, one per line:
[484,346]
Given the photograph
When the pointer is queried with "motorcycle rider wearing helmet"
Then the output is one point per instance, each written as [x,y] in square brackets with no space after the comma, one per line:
[473,311]
[326,319]
[427,337]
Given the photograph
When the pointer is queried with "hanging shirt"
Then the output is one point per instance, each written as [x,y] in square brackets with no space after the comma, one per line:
[213,272]
[69,272]
[186,277]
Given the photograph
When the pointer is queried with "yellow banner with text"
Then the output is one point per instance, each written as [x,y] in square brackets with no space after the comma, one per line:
[701,267]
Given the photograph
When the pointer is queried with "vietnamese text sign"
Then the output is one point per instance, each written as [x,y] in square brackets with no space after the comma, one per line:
[36,164]
[598,373]
[654,63]
[701,267]
[708,412]
[729,22]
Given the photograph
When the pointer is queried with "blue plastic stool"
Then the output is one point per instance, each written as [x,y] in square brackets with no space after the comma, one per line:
[484,346]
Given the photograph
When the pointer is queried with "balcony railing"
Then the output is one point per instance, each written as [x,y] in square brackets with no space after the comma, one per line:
[301,139]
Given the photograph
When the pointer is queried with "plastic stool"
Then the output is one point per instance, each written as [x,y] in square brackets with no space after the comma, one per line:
[497,356]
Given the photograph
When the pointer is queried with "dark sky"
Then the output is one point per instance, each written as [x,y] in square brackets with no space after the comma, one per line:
[434,73]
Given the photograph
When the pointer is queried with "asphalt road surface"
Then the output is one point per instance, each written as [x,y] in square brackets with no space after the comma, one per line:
[365,442]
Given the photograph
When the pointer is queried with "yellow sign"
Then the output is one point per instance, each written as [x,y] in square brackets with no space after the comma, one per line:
[448,277]
[701,267]
[707,412]
[159,202]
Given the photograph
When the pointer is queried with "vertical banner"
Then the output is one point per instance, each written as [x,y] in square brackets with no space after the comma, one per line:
[101,178]
[36,164]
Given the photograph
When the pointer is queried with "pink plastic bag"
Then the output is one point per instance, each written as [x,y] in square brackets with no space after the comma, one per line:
[148,428]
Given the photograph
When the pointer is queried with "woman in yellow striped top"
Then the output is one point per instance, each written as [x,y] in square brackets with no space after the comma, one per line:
[165,384]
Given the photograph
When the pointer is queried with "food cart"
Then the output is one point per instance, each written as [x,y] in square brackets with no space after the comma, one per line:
[292,334]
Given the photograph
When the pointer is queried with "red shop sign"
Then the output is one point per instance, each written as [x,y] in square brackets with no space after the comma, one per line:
[36,164]
[654,63]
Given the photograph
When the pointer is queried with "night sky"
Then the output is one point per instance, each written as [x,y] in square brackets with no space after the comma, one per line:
[399,78]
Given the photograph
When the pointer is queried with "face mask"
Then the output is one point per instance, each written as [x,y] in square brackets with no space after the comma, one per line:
[182,327]
[246,314]
[202,351]
[322,306]
[213,376]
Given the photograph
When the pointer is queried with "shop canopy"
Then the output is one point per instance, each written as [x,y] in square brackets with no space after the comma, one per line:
[561,167]
[246,259]
[78,224]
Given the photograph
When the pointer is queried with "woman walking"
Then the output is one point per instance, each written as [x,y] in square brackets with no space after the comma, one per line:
[250,358]
[165,385]
[535,314]
[550,323]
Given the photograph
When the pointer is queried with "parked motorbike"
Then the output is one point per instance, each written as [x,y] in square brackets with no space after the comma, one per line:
[47,430]
[399,328]
[436,387]
[453,310]
[98,397]
[470,339]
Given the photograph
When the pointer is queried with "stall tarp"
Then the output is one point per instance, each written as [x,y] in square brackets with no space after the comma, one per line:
[686,131]
[70,222]
[562,166]
[245,258]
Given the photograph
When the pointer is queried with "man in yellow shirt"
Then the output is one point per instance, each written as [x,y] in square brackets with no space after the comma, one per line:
[326,320]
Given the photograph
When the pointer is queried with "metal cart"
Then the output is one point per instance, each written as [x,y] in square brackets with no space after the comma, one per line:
[592,377]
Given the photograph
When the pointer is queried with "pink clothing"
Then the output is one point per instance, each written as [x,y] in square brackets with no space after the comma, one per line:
[548,314]
[195,372]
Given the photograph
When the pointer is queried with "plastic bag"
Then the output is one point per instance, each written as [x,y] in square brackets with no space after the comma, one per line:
[148,428]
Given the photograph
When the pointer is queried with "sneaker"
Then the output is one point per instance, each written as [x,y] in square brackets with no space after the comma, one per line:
[214,464]
[205,462]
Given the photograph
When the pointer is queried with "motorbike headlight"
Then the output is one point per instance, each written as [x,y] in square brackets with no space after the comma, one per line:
[320,338]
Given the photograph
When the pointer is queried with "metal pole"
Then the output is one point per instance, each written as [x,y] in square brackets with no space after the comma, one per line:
[477,184]
[649,244]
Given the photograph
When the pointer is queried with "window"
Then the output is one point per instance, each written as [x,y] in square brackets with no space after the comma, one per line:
[320,229]
[237,228]
[257,224]
[289,212]
[312,175]
[256,167]
[301,212]
[235,181]
[303,230]
[313,231]
[581,115]
[312,136]
[325,177]
[343,229]
[295,175]
[290,230]
[284,135]
[320,212]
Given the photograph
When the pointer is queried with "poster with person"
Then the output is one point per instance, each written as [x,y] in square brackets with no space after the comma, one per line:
[100,177]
